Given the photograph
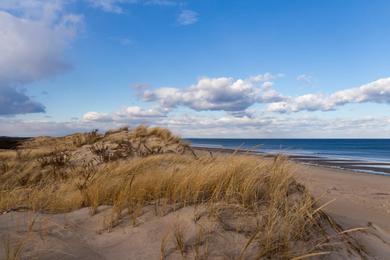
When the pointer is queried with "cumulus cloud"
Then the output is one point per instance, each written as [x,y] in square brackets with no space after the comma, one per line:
[32,50]
[223,93]
[377,92]
[96,116]
[308,102]
[374,92]
[33,37]
[187,17]
[126,115]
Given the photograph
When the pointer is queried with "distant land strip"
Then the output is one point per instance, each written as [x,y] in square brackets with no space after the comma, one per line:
[11,142]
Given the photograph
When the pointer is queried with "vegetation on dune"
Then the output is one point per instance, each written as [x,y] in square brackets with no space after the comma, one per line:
[150,167]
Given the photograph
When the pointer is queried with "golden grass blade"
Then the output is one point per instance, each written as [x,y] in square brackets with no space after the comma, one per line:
[353,230]
[310,255]
[323,206]
[237,149]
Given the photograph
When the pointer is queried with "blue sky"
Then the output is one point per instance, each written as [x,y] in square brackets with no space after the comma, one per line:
[265,68]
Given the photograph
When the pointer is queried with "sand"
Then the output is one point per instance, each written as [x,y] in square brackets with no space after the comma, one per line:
[358,200]
[77,235]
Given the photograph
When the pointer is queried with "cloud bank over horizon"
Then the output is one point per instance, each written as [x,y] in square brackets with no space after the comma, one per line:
[189,125]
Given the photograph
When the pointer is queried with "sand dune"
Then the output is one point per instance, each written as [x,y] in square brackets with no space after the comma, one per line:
[145,194]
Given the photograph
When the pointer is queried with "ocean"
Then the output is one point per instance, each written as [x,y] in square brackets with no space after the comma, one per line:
[362,155]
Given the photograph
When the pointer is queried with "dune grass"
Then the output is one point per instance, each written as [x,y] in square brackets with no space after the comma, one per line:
[132,169]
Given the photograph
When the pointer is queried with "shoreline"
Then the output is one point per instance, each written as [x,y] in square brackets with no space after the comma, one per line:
[354,166]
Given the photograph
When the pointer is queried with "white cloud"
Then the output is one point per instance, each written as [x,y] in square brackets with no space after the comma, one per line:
[268,84]
[96,116]
[377,92]
[308,102]
[33,49]
[374,92]
[33,38]
[125,115]
[187,17]
[223,93]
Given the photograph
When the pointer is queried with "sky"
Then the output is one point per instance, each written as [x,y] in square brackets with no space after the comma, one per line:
[221,68]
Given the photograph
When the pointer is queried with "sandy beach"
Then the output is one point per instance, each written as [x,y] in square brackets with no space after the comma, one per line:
[356,200]
[358,205]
